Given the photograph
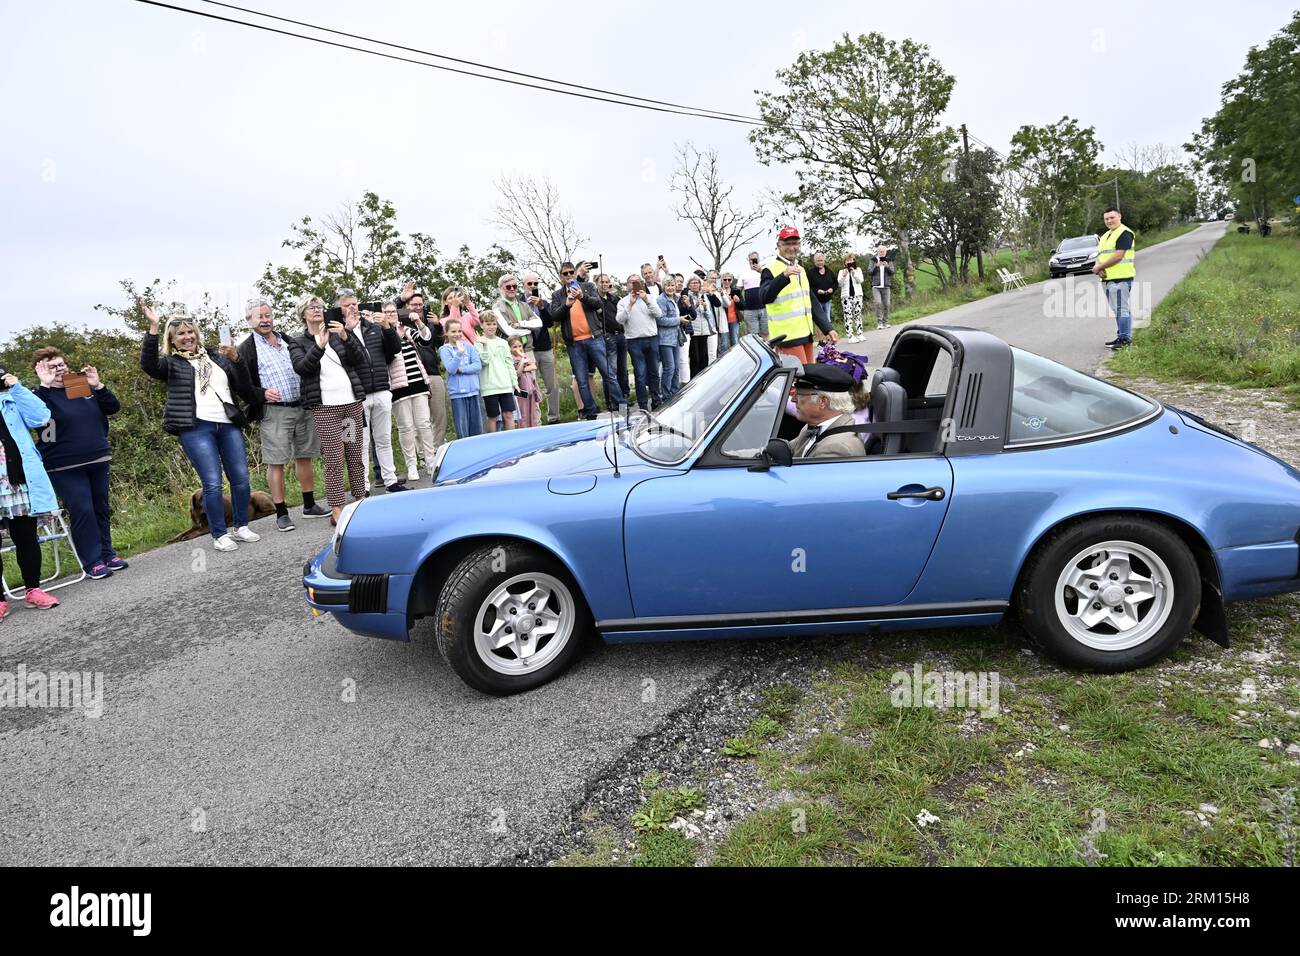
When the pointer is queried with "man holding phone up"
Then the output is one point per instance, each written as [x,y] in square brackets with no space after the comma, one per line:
[382,346]
[577,305]
[882,277]
[286,427]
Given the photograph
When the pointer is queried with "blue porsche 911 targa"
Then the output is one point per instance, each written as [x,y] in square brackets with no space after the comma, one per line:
[996,481]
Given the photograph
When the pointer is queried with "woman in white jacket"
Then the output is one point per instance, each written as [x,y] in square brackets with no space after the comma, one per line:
[851,299]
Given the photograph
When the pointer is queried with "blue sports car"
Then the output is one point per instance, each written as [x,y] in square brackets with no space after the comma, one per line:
[996,481]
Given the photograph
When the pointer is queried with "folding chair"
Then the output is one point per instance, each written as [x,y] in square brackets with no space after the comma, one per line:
[52,528]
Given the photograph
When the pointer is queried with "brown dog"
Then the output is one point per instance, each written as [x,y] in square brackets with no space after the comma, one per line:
[260,505]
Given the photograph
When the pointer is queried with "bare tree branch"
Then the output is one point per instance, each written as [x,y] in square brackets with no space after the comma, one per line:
[530,215]
[704,201]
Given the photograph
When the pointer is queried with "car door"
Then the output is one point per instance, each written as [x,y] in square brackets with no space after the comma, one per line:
[817,534]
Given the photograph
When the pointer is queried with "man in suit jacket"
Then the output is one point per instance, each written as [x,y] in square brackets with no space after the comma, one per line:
[822,402]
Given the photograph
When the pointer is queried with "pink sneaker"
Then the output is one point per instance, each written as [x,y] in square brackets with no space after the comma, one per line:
[39,600]
[4,610]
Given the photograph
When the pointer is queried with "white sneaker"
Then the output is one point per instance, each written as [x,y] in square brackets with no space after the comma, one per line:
[225,543]
[412,476]
[245,534]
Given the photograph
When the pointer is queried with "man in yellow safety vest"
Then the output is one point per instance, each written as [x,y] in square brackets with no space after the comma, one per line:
[1115,252]
[784,292]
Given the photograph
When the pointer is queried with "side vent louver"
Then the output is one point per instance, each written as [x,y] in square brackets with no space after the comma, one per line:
[973,383]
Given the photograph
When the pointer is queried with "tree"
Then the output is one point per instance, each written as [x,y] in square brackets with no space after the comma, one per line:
[1058,161]
[360,248]
[530,214]
[860,125]
[964,214]
[1249,145]
[705,202]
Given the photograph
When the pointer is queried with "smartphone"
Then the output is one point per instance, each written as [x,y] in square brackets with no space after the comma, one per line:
[76,385]
[223,332]
[333,314]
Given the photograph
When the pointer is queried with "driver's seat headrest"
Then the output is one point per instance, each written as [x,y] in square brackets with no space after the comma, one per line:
[883,374]
[888,404]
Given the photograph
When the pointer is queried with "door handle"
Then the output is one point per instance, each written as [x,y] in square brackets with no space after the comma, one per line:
[931,494]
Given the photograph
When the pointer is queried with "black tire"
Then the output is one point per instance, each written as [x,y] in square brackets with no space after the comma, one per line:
[1036,597]
[470,584]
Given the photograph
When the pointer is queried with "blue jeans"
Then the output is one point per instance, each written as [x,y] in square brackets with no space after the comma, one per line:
[1117,294]
[209,446]
[588,357]
[84,492]
[645,363]
[466,416]
[616,355]
[729,338]
[668,377]
[821,311]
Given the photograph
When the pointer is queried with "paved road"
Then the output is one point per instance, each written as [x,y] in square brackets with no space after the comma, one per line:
[226,736]
[1067,319]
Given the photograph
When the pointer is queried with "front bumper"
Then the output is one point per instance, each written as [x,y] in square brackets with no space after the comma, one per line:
[1073,269]
[370,604]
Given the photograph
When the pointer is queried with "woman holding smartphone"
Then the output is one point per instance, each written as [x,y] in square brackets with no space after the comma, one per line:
[76,455]
[202,385]
[327,360]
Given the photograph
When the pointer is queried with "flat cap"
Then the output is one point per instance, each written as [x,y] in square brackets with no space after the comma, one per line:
[824,378]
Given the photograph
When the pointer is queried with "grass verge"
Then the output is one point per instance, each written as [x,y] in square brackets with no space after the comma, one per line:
[1234,319]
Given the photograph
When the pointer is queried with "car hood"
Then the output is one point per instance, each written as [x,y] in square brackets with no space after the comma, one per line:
[544,452]
[1089,252]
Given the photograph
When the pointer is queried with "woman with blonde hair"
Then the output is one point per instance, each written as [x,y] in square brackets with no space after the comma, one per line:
[328,360]
[201,411]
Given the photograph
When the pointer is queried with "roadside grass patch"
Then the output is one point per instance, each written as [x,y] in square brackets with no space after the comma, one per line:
[1234,319]
[1151,768]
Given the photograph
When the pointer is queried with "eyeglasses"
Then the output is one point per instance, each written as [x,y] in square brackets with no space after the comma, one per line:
[315,307]
[509,286]
[61,367]
[566,272]
[531,285]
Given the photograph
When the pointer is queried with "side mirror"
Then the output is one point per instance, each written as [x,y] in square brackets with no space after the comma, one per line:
[777,452]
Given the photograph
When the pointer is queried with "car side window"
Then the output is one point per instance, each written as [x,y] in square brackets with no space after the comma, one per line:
[748,439]
[937,387]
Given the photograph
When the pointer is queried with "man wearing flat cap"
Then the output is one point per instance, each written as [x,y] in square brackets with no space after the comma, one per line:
[822,402]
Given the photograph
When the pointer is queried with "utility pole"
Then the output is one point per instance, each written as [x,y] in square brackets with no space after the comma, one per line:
[1117,190]
[965,146]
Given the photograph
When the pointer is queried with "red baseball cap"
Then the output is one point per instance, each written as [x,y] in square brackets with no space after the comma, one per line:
[789,232]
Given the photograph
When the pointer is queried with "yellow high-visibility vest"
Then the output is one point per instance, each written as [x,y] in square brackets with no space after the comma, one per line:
[790,314]
[1106,247]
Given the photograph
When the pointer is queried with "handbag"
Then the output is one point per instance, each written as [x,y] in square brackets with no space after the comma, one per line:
[236,415]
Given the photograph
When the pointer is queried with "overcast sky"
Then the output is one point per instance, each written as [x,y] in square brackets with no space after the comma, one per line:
[142,142]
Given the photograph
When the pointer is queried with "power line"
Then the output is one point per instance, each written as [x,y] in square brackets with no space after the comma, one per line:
[484,66]
[648,105]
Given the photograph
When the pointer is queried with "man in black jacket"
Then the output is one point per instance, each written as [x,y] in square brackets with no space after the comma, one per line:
[578,308]
[615,339]
[287,431]
[382,344]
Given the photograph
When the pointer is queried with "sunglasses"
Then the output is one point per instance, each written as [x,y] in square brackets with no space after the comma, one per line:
[566,272]
[510,287]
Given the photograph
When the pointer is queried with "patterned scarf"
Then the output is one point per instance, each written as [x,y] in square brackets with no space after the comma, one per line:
[204,366]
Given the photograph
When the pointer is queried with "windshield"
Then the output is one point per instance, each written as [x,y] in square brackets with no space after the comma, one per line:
[1083,242]
[669,433]
[1050,401]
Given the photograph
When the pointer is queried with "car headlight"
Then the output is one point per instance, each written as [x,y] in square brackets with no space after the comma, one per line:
[438,456]
[344,517]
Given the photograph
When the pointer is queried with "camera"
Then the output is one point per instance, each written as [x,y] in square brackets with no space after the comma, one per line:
[3,373]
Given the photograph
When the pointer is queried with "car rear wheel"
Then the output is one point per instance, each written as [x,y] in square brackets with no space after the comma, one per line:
[509,619]
[1110,594]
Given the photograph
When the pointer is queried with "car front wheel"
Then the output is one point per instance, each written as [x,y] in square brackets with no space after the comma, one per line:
[1110,594]
[509,619]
